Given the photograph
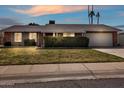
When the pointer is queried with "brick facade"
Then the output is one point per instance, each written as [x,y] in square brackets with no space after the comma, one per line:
[9,37]
[114,34]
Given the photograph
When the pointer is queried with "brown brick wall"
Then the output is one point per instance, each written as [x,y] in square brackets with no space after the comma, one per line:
[7,37]
[114,38]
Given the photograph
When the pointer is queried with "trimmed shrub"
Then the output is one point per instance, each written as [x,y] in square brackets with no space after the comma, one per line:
[7,44]
[29,42]
[66,41]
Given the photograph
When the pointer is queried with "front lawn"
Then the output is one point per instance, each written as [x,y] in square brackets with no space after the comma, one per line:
[17,56]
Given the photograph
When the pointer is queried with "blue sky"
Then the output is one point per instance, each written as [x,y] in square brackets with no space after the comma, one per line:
[13,15]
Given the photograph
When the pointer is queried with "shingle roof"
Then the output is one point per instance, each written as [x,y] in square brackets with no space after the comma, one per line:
[100,27]
[79,27]
[121,32]
[60,28]
[23,28]
[64,28]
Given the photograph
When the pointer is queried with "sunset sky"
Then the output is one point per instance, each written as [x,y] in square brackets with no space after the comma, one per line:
[71,14]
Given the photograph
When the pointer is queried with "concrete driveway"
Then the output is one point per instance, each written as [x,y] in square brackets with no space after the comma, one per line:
[114,51]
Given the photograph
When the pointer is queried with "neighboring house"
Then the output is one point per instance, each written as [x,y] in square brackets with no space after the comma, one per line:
[1,38]
[121,35]
[121,38]
[99,35]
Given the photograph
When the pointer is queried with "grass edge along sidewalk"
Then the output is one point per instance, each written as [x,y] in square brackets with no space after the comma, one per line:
[27,56]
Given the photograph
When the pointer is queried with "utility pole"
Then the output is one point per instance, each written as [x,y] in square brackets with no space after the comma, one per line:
[89,13]
[92,14]
[92,8]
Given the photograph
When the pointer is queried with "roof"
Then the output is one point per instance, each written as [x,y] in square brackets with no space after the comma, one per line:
[100,27]
[61,28]
[121,32]
[64,28]
[23,28]
[79,27]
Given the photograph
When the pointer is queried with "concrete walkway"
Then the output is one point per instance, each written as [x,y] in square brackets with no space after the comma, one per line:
[53,72]
[115,51]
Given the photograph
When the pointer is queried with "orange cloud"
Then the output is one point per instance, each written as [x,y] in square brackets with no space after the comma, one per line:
[51,9]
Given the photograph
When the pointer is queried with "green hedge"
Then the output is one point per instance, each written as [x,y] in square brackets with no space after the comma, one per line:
[7,44]
[28,42]
[66,41]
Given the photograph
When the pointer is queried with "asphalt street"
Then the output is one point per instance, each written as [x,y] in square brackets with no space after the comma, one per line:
[91,83]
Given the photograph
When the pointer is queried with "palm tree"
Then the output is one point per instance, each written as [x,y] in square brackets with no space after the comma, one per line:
[33,24]
[98,16]
[91,14]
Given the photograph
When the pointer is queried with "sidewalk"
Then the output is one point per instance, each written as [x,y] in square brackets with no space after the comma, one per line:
[53,72]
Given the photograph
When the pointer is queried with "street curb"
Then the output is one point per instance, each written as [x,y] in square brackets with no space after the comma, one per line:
[11,80]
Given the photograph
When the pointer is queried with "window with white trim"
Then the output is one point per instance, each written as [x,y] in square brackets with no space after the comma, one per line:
[68,35]
[18,37]
[33,36]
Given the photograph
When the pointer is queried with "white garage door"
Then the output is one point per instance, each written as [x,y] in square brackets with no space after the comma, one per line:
[100,39]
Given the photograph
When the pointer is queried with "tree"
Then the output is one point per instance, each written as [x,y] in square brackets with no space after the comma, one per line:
[91,14]
[33,24]
[98,16]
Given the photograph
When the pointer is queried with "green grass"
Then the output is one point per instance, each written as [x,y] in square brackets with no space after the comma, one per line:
[9,56]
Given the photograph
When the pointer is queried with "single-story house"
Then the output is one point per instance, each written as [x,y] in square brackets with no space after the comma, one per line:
[99,35]
[121,38]
[1,38]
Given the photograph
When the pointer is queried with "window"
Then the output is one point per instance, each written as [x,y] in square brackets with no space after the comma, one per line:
[33,36]
[68,34]
[18,37]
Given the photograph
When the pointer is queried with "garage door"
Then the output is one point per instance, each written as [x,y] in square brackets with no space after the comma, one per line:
[100,39]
